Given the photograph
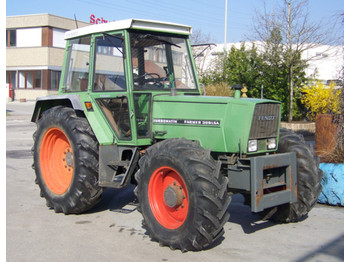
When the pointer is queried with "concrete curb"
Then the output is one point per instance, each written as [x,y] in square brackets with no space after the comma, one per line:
[333,184]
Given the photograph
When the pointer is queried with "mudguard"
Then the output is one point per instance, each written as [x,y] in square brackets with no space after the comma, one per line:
[47,102]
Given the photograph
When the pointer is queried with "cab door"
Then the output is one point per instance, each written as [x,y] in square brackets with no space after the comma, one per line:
[109,85]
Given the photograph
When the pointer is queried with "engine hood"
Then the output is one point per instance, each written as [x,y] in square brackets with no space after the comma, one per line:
[222,124]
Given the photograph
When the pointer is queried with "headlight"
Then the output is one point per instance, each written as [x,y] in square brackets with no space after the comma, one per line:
[271,143]
[252,145]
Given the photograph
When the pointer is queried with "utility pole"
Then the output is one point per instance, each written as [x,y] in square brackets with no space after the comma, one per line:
[290,63]
[225,36]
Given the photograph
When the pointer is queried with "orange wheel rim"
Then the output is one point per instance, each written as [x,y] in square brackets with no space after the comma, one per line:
[168,197]
[56,161]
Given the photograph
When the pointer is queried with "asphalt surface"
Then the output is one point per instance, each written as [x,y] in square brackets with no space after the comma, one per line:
[112,231]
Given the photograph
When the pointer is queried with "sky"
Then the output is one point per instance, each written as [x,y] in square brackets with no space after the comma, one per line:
[205,15]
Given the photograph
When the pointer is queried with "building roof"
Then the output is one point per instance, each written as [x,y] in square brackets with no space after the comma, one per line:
[132,24]
[40,20]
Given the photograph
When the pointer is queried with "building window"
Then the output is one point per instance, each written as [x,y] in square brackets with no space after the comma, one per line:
[11,37]
[37,80]
[24,37]
[55,79]
[29,79]
[58,38]
[29,37]
[11,78]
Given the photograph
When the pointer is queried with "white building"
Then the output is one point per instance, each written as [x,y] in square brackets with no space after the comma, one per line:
[34,53]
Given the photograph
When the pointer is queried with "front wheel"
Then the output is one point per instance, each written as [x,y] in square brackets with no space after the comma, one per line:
[182,195]
[309,177]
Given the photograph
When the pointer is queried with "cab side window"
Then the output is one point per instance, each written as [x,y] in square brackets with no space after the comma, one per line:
[77,65]
[109,64]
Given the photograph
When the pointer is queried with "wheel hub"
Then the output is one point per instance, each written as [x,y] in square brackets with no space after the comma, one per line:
[173,196]
[69,159]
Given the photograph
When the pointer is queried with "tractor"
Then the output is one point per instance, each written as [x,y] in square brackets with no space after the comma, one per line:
[130,110]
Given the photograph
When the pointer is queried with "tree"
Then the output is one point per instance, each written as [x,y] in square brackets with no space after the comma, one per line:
[237,66]
[274,79]
[297,35]
[242,66]
[275,73]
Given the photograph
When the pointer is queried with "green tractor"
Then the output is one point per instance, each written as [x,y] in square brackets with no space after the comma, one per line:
[130,110]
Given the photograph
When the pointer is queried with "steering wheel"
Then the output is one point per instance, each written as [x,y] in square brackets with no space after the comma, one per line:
[156,78]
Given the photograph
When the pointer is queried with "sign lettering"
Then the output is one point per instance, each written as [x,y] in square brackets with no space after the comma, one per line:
[94,20]
[186,122]
[266,118]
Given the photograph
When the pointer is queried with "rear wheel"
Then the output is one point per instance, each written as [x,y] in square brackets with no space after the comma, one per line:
[182,195]
[309,177]
[56,160]
[66,161]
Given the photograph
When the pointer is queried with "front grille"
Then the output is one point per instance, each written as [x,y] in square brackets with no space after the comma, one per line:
[265,121]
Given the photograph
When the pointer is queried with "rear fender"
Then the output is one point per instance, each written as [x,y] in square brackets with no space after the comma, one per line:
[45,103]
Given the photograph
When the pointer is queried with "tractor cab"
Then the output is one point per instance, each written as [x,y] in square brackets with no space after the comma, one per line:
[121,66]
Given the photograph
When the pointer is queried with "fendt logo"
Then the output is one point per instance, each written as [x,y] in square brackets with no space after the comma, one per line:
[266,118]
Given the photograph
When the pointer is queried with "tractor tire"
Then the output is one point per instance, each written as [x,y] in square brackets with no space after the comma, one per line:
[65,156]
[309,177]
[182,195]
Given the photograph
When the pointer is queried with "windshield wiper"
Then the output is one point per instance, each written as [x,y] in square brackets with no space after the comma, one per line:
[153,37]
[107,36]
[207,46]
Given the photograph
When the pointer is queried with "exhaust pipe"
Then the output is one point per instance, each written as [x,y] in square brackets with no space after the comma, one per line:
[237,93]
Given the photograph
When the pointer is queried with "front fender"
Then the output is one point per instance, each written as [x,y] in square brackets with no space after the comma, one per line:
[44,103]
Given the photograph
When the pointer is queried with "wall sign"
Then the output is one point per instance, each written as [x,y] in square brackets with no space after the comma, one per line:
[98,20]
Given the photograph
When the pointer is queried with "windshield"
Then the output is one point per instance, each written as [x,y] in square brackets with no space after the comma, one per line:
[161,62]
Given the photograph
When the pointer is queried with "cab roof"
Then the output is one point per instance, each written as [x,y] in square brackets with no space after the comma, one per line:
[130,24]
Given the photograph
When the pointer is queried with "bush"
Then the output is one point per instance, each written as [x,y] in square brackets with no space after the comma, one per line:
[321,99]
[219,89]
